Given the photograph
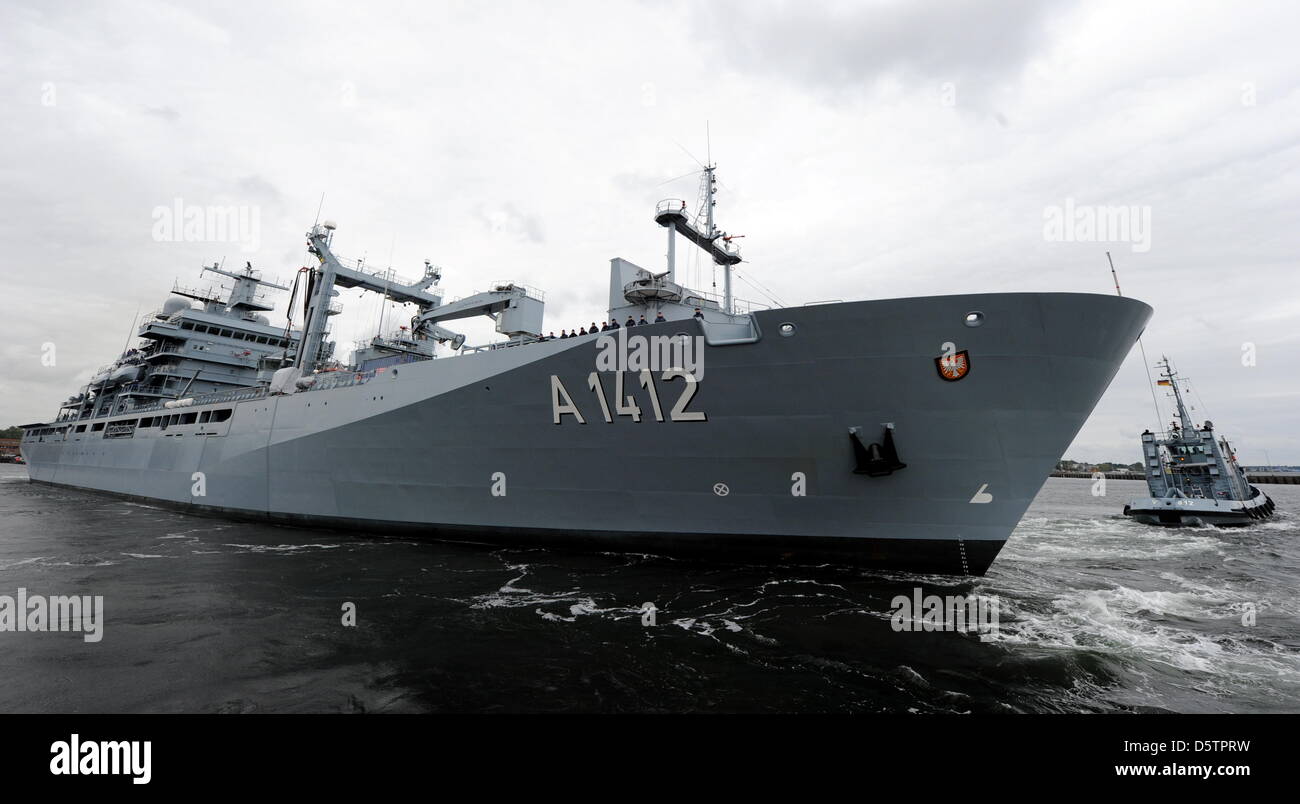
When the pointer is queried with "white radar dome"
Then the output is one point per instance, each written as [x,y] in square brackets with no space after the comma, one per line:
[175,304]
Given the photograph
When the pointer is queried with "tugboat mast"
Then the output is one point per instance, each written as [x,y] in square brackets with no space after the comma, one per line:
[1171,377]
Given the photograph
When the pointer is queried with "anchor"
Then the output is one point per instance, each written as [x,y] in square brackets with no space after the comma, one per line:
[875,460]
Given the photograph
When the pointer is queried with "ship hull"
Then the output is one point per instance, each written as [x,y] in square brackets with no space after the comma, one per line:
[759,463]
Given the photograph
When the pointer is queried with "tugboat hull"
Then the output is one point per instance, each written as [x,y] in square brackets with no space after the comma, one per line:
[1182,512]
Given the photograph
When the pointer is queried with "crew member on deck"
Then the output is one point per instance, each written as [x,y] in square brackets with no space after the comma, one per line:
[698,314]
[659,317]
[642,322]
[630,322]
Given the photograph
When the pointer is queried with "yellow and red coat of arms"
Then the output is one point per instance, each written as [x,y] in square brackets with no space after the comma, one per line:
[953,367]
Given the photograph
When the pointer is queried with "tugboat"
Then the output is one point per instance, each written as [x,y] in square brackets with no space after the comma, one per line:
[1194,477]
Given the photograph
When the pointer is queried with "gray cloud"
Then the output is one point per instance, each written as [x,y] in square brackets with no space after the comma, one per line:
[848,47]
[163,112]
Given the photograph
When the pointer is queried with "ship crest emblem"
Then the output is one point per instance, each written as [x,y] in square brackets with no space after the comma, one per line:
[953,367]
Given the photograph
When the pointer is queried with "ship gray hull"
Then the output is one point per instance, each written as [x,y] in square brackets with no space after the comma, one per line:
[468,447]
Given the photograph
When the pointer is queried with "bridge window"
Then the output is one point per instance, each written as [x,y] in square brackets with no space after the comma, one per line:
[81,428]
[97,427]
[204,416]
[221,415]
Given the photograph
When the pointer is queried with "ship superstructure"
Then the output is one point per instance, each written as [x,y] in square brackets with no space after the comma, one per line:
[199,342]
[1192,473]
[899,433]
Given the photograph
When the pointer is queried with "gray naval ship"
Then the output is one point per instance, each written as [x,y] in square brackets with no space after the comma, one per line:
[1193,475]
[904,433]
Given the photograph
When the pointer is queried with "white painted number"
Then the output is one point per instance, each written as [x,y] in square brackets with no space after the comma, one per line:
[625,404]
[593,381]
[648,383]
[679,413]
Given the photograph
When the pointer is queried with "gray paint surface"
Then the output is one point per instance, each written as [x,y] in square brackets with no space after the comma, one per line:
[418,448]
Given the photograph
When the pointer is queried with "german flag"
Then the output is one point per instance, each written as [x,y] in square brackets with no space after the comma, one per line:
[1163,382]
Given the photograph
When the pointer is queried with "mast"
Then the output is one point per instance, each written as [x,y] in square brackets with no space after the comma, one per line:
[711,231]
[702,230]
[1172,377]
[318,303]
[672,250]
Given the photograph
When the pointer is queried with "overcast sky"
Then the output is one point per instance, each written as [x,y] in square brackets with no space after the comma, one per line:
[866,150]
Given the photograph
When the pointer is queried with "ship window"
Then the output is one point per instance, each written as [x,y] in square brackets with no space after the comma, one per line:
[974,318]
[225,333]
[187,325]
[204,416]
[189,418]
[220,415]
[239,336]
[147,421]
[261,339]
[81,428]
[96,428]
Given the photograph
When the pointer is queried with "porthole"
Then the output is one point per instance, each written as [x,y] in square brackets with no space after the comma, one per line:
[786,329]
[974,318]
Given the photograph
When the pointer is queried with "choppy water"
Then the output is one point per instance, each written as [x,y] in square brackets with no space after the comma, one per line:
[1097,613]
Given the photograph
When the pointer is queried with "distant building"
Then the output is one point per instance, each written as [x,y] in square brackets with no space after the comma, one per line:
[8,450]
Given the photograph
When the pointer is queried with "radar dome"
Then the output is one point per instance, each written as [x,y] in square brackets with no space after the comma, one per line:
[174,305]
